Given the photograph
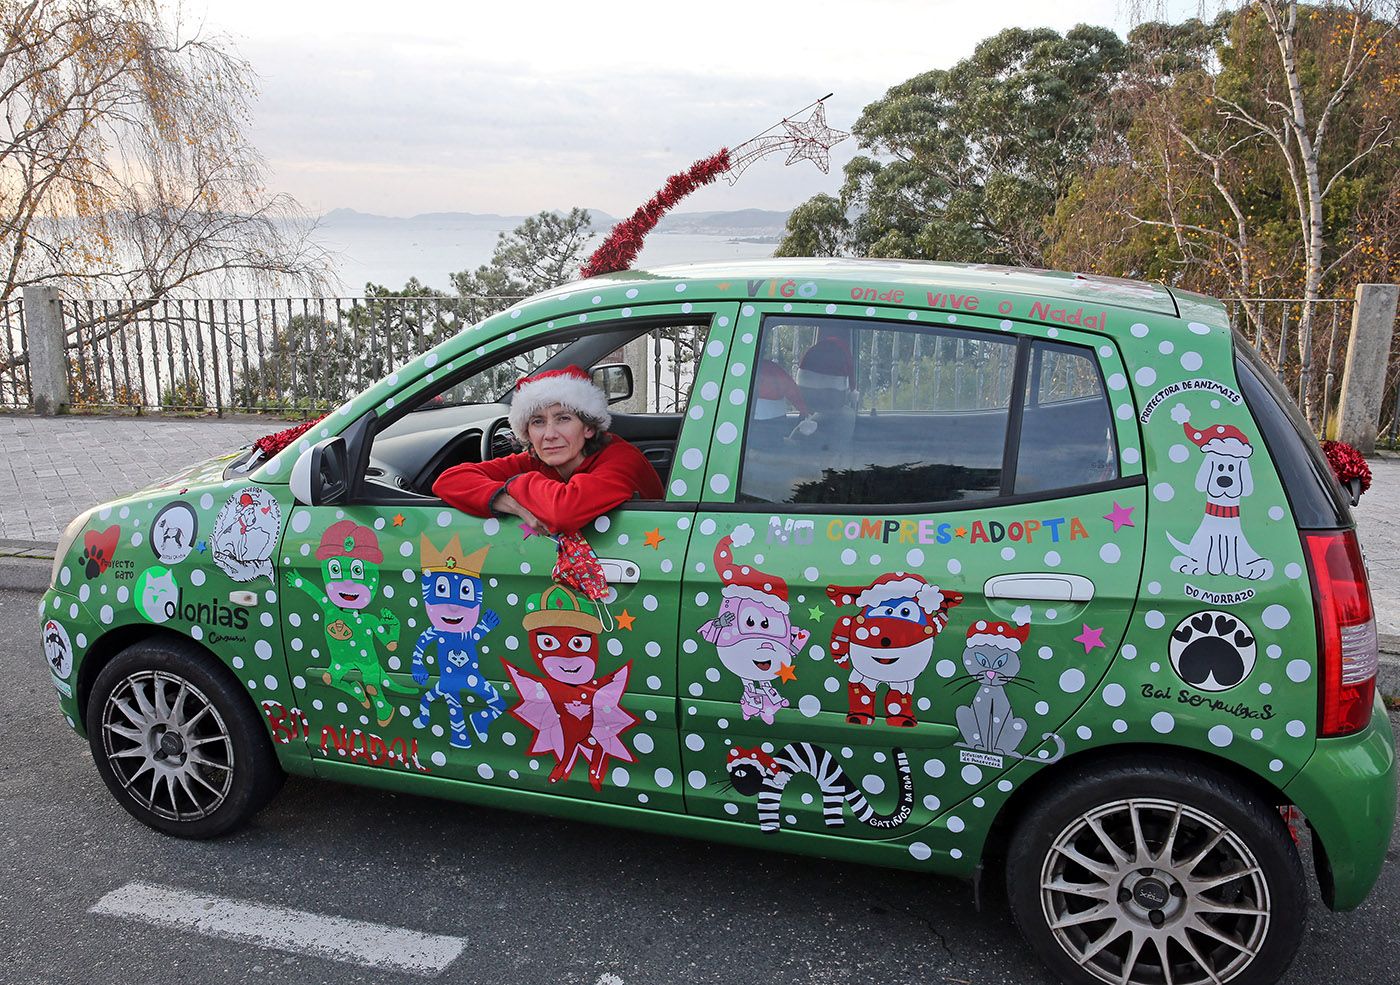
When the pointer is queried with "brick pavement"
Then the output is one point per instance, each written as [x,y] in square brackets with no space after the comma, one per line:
[56,467]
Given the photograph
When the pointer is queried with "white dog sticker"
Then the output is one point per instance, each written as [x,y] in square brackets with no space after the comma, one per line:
[1219,546]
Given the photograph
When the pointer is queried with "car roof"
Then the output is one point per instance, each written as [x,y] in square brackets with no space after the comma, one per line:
[922,275]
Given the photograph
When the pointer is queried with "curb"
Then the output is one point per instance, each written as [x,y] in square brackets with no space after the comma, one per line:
[25,566]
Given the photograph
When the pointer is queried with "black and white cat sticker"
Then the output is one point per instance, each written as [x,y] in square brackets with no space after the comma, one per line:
[58,650]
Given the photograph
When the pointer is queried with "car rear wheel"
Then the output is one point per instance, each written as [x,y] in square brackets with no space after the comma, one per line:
[1148,874]
[178,742]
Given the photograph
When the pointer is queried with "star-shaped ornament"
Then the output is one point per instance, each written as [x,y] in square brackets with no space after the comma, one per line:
[787,673]
[1120,516]
[202,546]
[813,139]
[815,612]
[961,531]
[625,620]
[1091,638]
[654,539]
[526,531]
[398,519]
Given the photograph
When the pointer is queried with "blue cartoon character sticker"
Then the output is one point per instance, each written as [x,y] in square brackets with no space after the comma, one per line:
[452,598]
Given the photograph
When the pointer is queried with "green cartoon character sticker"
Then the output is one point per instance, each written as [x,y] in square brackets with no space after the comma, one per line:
[350,557]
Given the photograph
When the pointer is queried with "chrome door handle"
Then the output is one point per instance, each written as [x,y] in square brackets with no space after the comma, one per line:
[1040,586]
[620,571]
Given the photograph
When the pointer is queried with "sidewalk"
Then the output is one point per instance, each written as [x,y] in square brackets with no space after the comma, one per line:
[54,468]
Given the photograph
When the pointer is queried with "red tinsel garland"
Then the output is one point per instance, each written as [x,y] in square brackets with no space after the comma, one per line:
[271,444]
[625,241]
[1347,463]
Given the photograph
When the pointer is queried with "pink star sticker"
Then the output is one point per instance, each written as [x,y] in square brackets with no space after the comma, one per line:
[1091,638]
[1120,516]
[527,530]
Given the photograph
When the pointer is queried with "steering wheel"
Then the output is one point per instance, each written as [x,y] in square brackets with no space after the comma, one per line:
[496,440]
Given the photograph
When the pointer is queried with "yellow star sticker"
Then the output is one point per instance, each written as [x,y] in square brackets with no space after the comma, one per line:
[398,519]
[625,621]
[654,539]
[787,673]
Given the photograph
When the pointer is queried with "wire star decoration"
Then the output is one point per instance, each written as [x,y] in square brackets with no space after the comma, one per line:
[810,139]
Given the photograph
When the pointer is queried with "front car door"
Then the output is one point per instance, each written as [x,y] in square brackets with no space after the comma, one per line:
[930,556]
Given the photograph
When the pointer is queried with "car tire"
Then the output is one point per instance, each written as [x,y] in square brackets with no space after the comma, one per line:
[178,741]
[1089,910]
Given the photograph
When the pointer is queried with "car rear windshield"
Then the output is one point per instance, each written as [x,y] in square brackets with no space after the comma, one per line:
[1313,491]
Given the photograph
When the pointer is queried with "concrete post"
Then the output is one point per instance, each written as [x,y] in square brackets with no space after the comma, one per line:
[1368,352]
[48,362]
[634,354]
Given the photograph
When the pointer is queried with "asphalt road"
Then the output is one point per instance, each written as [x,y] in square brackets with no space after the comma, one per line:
[535,899]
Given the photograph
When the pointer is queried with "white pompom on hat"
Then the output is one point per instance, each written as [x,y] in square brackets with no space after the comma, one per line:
[570,387]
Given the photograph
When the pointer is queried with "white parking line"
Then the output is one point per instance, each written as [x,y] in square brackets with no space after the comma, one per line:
[283,929]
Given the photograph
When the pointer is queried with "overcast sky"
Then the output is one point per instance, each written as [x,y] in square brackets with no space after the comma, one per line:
[512,107]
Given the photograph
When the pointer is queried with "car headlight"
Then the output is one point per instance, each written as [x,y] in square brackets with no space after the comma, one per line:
[65,543]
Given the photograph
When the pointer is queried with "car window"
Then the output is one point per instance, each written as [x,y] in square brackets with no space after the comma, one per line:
[1067,436]
[865,412]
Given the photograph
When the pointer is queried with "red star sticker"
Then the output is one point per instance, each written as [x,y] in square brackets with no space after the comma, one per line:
[654,539]
[626,620]
[398,519]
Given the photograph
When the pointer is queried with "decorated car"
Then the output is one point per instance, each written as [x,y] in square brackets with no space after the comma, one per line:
[980,572]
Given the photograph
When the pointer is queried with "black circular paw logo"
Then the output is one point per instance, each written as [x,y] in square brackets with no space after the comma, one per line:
[94,560]
[1212,651]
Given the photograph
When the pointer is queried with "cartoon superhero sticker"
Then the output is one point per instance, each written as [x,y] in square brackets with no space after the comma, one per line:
[992,659]
[173,532]
[574,715]
[452,595]
[58,649]
[245,534]
[1219,546]
[889,642]
[350,559]
[99,548]
[754,772]
[1212,650]
[751,632]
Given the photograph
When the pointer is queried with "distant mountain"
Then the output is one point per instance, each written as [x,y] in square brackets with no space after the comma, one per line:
[740,222]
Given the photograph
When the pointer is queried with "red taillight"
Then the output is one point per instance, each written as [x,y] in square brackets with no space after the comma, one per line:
[1346,632]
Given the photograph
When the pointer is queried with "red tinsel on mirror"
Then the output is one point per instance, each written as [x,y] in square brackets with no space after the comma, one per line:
[271,444]
[625,241]
[1347,463]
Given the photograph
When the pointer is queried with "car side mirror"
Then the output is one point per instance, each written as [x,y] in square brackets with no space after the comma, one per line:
[321,475]
[615,380]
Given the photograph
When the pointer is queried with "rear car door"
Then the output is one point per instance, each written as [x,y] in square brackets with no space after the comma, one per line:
[928,558]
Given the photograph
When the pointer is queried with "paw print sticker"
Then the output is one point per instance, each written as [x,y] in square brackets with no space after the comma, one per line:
[1212,650]
[99,547]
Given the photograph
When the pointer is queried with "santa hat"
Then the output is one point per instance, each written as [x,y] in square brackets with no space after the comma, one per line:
[753,757]
[827,365]
[745,581]
[1003,635]
[776,390]
[896,585]
[346,538]
[570,386]
[1222,439]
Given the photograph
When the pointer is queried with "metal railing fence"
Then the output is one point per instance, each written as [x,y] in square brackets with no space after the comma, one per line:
[14,379]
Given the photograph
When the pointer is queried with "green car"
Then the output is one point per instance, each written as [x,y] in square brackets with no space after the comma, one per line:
[976,571]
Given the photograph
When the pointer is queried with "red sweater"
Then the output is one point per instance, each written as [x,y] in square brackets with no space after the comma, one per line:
[604,480]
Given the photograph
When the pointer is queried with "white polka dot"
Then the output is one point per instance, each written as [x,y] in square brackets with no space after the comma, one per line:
[444,518]
[920,851]
[1178,453]
[1295,728]
[1298,671]
[301,519]
[1220,735]
[873,784]
[719,483]
[439,759]
[1117,381]
[1052,559]
[1163,491]
[1292,571]
[809,705]
[1154,619]
[263,649]
[1146,376]
[955,824]
[1130,456]
[1163,722]
[696,779]
[954,566]
[485,771]
[971,775]
[848,556]
[1165,347]
[711,389]
[1114,695]
[1042,707]
[1072,680]
[1008,553]
[1275,616]
[678,487]
[1275,765]
[726,433]
[1191,361]
[1110,553]
[1138,329]
[1275,513]
[1198,328]
[945,668]
[694,742]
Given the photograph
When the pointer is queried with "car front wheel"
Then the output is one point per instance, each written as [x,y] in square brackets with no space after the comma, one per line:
[1151,874]
[178,742]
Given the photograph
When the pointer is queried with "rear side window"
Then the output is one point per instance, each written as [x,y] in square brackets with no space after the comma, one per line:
[1313,491]
[1067,434]
[854,412]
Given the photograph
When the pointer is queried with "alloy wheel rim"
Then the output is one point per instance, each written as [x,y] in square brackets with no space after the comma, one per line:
[167,745]
[1155,892]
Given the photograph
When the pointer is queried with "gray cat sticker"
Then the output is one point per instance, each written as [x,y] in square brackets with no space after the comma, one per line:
[988,724]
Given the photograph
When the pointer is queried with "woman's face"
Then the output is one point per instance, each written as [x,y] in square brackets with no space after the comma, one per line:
[557,434]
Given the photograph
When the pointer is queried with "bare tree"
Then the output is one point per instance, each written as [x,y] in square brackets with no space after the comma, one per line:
[123,161]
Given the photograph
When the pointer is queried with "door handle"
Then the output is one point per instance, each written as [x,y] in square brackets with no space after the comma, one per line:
[1040,586]
[620,571]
